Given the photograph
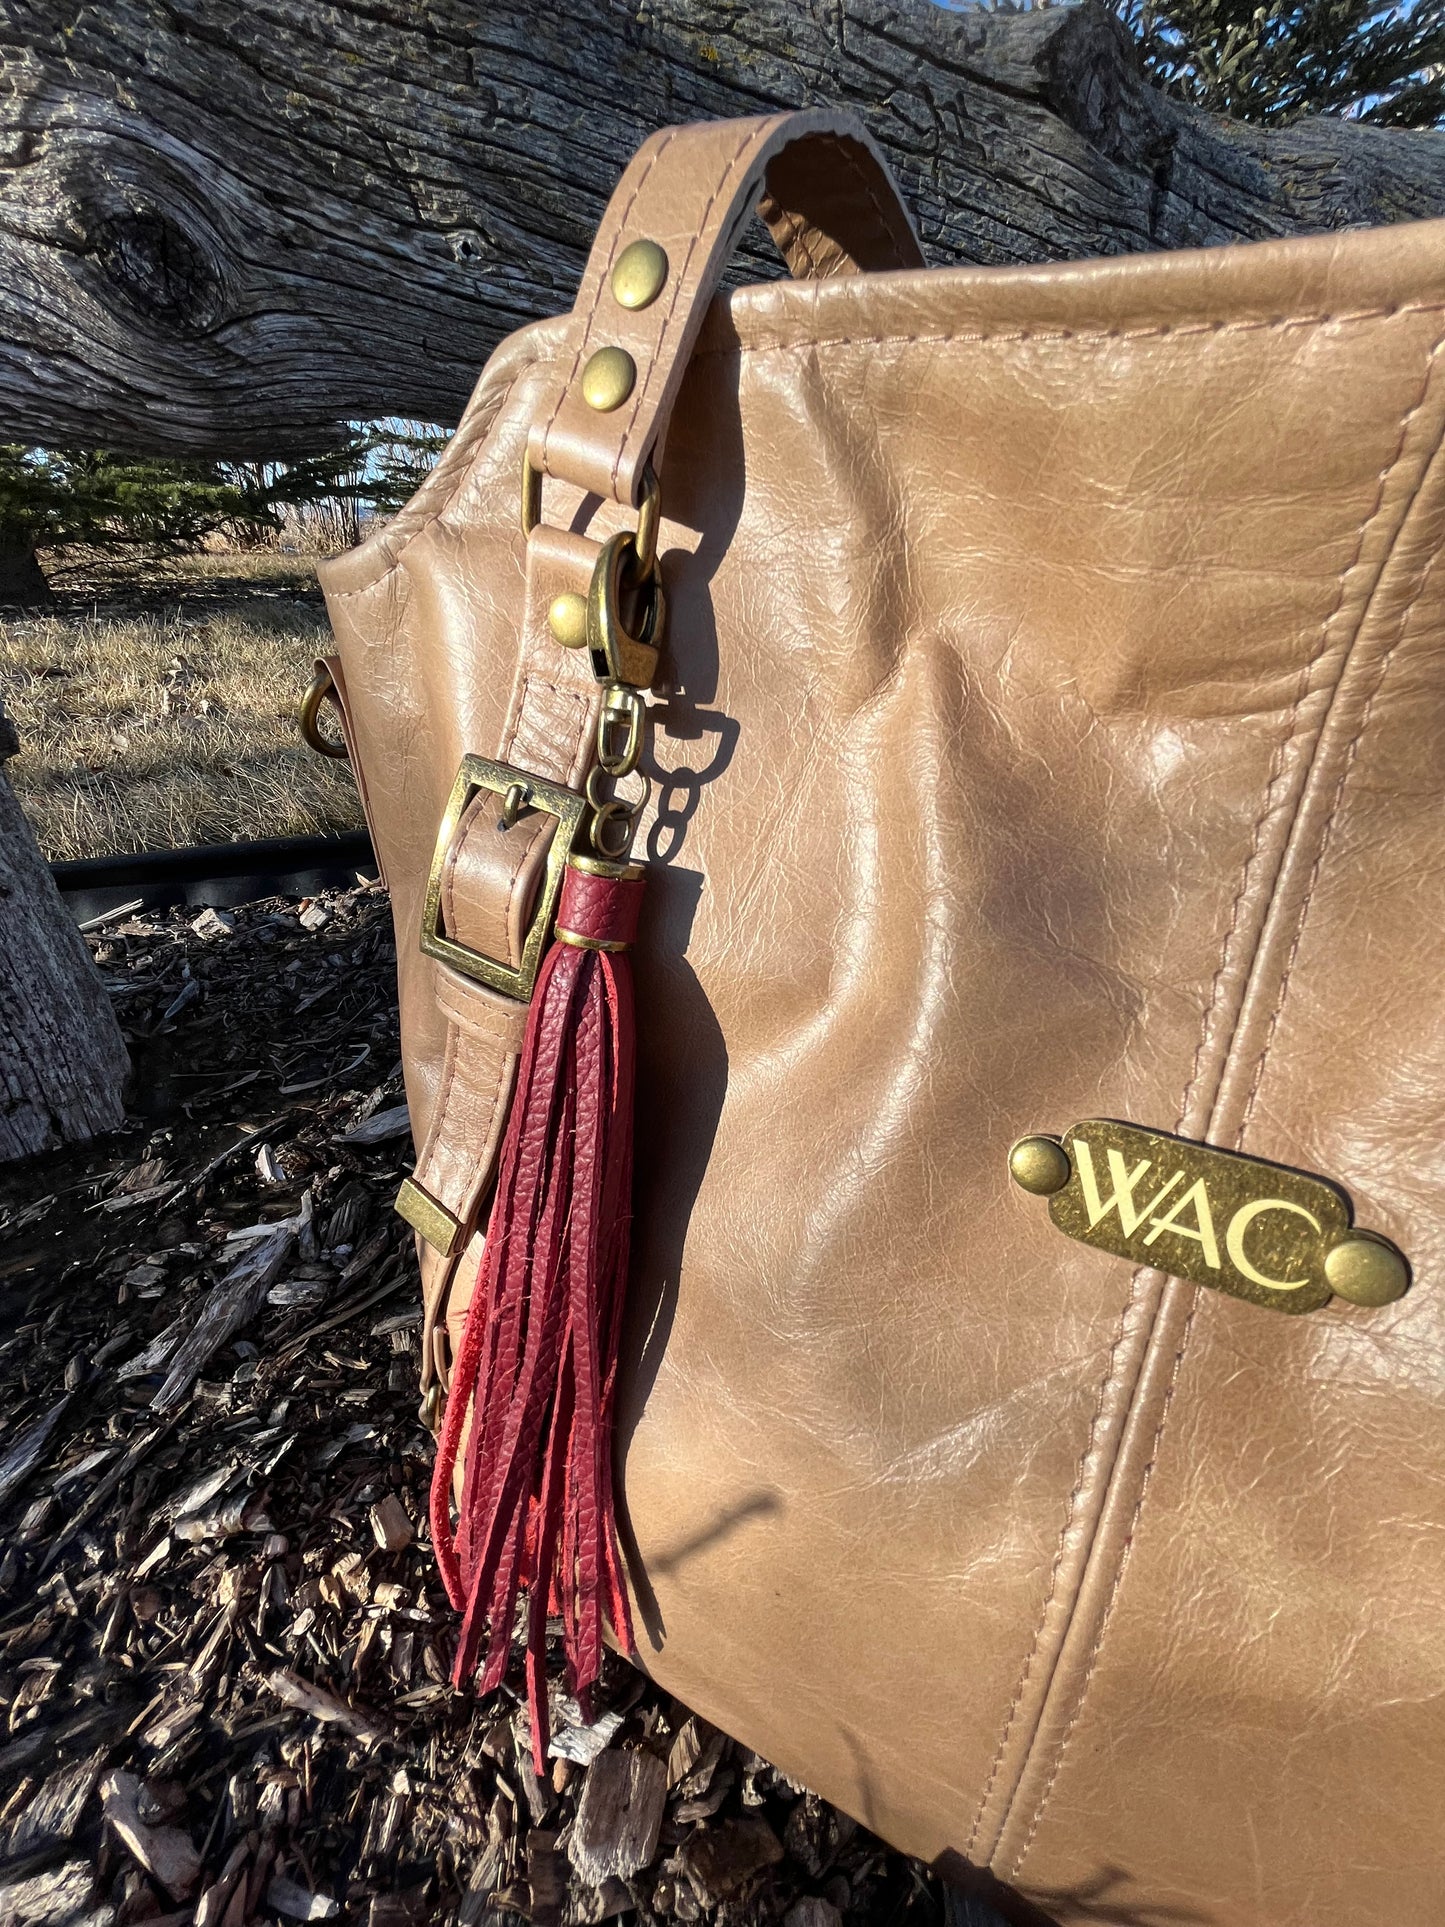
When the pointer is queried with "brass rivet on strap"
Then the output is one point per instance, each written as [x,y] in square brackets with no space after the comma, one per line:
[567,619]
[1040,1165]
[608,379]
[1366,1270]
[639,276]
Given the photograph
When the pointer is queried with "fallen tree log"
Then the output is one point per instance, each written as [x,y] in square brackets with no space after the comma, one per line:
[226,225]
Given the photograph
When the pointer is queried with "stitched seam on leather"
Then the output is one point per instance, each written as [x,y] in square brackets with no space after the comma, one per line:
[1276,768]
[1157,330]
[1303,688]
[655,359]
[430,1153]
[512,898]
[509,741]
[509,1059]
[586,335]
[529,683]
[1106,1615]
[449,877]
[483,1170]
[580,756]
[1327,835]
[848,154]
[1084,1457]
[1332,816]
[810,343]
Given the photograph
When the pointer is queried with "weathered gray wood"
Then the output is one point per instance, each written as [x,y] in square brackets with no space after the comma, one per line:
[226,224]
[233,1302]
[63,1061]
[619,1816]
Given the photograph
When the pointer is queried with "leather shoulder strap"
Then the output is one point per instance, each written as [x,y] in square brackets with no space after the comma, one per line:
[832,207]
[825,192]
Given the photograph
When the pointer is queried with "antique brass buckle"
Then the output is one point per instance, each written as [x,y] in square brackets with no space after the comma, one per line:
[519,791]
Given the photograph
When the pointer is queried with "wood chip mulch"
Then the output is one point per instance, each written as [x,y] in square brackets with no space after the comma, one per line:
[224,1648]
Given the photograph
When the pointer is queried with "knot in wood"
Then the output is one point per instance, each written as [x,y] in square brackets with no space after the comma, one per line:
[160,269]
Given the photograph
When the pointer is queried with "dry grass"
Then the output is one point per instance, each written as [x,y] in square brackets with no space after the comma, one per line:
[160,710]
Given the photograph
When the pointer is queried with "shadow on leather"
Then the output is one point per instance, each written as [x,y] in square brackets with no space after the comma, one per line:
[1104,1897]
[973,1897]
[757,1505]
[682,1075]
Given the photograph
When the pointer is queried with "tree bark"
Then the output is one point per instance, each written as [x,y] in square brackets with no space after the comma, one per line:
[22,580]
[225,225]
[63,1061]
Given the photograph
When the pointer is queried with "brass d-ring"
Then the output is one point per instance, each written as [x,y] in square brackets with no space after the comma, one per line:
[649,519]
[308,716]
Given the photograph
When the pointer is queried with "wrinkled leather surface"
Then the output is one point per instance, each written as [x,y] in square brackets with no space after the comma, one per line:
[1053,726]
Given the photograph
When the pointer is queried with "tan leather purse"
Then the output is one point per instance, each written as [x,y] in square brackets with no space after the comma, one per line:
[1024,1432]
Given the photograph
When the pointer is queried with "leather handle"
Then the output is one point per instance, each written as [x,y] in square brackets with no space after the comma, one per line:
[826,194]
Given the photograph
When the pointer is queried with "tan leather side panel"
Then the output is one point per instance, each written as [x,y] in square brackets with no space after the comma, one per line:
[1006,611]
[1248,1672]
[1032,652]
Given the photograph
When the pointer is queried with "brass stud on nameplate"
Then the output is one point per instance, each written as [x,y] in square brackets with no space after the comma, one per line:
[1277,1237]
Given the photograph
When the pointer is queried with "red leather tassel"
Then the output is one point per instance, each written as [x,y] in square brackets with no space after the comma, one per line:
[538,1359]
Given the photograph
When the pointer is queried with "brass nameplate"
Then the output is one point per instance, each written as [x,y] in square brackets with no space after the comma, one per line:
[1278,1237]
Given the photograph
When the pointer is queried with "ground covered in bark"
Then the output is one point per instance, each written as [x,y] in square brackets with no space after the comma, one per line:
[224,1648]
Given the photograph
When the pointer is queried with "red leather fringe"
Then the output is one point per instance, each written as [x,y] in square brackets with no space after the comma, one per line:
[536,1368]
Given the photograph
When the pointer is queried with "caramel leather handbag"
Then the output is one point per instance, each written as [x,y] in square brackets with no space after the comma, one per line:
[1008,705]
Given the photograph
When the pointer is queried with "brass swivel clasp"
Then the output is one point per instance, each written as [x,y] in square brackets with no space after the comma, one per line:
[621,736]
[621,628]
[626,611]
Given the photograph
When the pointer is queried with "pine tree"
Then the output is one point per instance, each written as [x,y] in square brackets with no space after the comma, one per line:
[56,498]
[1371,60]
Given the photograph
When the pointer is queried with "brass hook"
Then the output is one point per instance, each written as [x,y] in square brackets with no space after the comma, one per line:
[308,715]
